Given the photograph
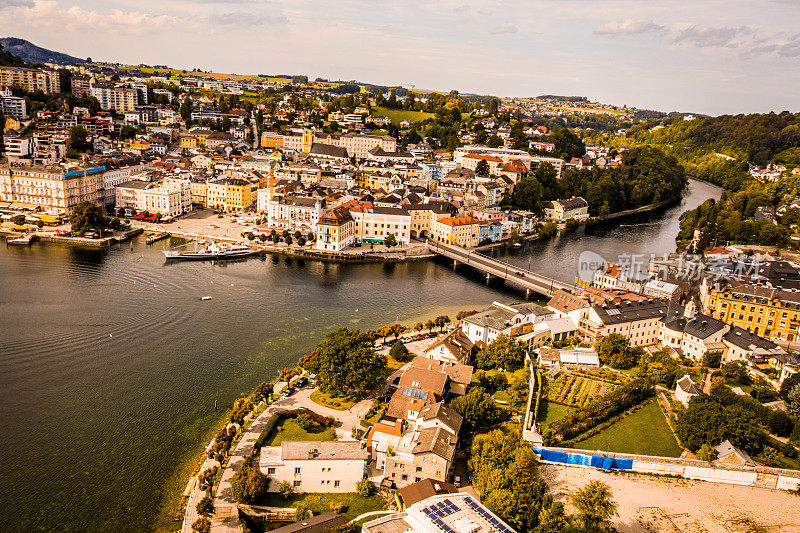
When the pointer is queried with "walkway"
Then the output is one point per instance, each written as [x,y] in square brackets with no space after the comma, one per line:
[371,513]
[492,267]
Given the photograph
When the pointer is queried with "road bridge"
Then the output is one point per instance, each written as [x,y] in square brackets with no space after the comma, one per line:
[530,281]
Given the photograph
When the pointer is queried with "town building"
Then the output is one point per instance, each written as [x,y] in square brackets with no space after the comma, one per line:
[562,210]
[30,79]
[638,321]
[114,98]
[336,230]
[461,231]
[685,390]
[314,466]
[501,319]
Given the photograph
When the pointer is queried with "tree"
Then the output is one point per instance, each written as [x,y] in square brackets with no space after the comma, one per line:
[85,217]
[205,507]
[788,384]
[186,110]
[503,352]
[346,363]
[397,329]
[494,141]
[202,525]
[568,144]
[365,487]
[482,169]
[595,505]
[441,321]
[707,452]
[399,352]
[712,359]
[493,106]
[478,409]
[77,142]
[286,490]
[419,326]
[390,240]
[19,220]
[248,485]
[780,423]
[528,194]
[793,402]
[430,324]
[615,351]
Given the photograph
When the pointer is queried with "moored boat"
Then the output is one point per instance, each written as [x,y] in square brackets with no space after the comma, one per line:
[214,251]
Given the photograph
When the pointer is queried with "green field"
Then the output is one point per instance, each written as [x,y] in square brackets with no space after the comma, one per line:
[290,430]
[576,390]
[321,502]
[334,402]
[398,115]
[644,432]
[550,412]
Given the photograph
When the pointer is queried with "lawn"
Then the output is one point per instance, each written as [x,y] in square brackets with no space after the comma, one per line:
[550,412]
[398,115]
[320,502]
[289,429]
[334,402]
[644,432]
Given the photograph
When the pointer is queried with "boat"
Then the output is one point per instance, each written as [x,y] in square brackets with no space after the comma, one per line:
[214,251]
[206,298]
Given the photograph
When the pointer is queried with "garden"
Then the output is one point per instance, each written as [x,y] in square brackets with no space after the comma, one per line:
[576,390]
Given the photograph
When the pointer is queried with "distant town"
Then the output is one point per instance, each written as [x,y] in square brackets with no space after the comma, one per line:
[589,404]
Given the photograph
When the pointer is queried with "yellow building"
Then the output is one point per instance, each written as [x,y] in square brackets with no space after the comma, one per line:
[135,144]
[188,141]
[760,310]
[461,231]
[199,191]
[12,123]
[238,194]
[271,139]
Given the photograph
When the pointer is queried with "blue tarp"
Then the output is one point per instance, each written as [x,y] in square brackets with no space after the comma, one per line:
[580,459]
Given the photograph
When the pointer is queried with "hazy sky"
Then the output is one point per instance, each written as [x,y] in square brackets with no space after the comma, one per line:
[710,57]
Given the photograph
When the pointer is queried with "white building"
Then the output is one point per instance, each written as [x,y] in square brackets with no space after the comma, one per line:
[312,466]
[512,320]
[294,212]
[685,390]
[562,210]
[374,225]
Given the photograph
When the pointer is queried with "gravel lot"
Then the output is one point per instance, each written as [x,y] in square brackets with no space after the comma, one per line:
[656,504]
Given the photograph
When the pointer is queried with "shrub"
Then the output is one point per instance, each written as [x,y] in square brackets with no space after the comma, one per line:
[337,506]
[302,512]
[286,490]
[707,452]
[304,421]
[365,487]
[780,423]
[399,352]
[248,485]
[202,525]
[205,507]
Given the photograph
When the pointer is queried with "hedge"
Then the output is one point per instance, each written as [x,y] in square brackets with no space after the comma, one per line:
[272,423]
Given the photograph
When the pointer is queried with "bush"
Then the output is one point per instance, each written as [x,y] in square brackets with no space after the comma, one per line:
[365,487]
[712,359]
[205,507]
[780,423]
[399,352]
[707,452]
[286,490]
[248,485]
[304,421]
[302,512]
[337,506]
[202,525]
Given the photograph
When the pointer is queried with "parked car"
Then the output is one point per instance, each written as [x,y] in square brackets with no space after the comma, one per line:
[302,382]
[457,481]
[288,392]
[91,235]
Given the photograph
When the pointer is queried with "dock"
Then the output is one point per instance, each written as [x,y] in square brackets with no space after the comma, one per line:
[155,237]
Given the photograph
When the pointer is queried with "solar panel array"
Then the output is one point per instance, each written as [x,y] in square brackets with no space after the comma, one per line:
[494,522]
[417,394]
[438,511]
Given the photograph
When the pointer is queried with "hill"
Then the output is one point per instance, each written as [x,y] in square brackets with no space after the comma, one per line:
[36,54]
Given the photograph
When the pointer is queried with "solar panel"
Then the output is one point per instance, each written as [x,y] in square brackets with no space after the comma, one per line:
[417,394]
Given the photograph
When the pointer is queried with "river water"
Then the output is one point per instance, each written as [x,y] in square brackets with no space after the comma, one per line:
[110,362]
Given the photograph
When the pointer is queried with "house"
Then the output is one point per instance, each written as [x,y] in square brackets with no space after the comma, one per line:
[562,210]
[336,230]
[692,333]
[459,374]
[455,347]
[428,453]
[582,357]
[638,321]
[685,390]
[314,466]
[458,512]
[315,524]
[423,489]
[512,320]
[728,454]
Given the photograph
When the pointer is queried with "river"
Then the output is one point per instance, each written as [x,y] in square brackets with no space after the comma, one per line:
[111,362]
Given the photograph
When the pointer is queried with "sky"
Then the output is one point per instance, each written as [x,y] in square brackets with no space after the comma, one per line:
[703,56]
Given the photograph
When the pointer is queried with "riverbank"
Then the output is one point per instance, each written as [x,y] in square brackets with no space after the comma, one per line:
[25,239]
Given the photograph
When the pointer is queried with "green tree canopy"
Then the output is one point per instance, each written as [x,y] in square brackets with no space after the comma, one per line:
[87,217]
[346,363]
[503,352]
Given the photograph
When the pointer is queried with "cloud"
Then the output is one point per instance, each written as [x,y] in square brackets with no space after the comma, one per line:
[628,27]
[243,18]
[9,3]
[43,14]
[705,37]
[505,29]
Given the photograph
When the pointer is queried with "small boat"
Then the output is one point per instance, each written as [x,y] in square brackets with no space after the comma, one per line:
[214,251]
[206,298]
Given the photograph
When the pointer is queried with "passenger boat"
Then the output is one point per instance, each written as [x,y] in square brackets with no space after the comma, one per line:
[222,250]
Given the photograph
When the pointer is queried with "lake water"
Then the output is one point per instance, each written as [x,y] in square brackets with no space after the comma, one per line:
[110,362]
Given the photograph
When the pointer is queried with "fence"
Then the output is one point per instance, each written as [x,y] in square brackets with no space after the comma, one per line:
[761,476]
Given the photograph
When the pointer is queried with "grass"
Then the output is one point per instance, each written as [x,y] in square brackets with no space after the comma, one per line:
[320,502]
[644,432]
[334,402]
[398,115]
[551,412]
[291,430]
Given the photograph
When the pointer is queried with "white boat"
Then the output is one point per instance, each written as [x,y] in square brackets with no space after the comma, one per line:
[206,298]
[222,250]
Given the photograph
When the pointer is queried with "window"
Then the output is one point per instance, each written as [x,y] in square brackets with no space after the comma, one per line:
[271,470]
[297,483]
[297,470]
[336,483]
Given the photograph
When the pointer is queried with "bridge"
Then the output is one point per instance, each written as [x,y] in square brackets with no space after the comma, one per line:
[530,281]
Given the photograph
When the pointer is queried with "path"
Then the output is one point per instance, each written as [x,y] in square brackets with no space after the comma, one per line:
[371,513]
[346,420]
